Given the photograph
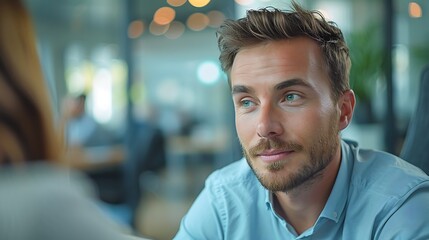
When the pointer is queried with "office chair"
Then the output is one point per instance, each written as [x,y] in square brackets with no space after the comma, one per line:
[416,145]
[147,154]
[119,187]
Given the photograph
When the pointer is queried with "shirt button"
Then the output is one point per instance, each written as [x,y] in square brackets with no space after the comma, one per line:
[335,214]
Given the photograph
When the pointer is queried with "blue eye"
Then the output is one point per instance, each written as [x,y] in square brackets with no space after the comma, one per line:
[246,103]
[292,97]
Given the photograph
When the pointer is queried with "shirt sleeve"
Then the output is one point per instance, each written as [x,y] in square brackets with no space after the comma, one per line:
[203,220]
[411,219]
[66,214]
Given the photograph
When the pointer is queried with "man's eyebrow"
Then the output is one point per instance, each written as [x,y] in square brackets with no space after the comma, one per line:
[241,89]
[291,82]
[285,84]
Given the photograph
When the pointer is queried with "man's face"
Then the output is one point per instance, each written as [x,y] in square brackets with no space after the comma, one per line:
[286,119]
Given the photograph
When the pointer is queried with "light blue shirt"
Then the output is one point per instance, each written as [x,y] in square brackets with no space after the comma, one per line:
[80,129]
[375,196]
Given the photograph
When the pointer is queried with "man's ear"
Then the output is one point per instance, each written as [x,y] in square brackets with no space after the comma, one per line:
[346,104]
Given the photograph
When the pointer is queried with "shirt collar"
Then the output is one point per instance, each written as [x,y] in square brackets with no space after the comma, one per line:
[336,203]
[268,199]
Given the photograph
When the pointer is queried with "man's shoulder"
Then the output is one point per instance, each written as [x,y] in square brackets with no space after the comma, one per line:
[392,186]
[373,163]
[385,173]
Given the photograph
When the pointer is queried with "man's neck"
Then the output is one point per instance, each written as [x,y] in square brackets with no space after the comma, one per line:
[302,206]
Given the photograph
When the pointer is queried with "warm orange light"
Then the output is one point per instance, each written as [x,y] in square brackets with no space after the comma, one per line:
[216,18]
[175,30]
[414,10]
[197,21]
[164,15]
[199,3]
[135,29]
[176,3]
[157,29]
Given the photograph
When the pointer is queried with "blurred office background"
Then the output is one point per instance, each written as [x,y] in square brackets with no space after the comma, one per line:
[152,78]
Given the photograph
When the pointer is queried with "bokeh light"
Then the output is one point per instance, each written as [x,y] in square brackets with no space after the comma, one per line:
[216,18]
[175,30]
[199,3]
[135,29]
[157,29]
[244,2]
[208,72]
[164,15]
[176,3]
[414,10]
[197,21]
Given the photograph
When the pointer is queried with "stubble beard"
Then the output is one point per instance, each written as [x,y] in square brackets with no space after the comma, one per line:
[320,154]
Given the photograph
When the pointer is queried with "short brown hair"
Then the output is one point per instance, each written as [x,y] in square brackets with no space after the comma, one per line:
[271,24]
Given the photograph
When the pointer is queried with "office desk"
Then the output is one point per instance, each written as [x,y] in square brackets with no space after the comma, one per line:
[95,158]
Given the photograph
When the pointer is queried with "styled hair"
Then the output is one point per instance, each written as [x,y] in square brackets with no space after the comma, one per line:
[27,129]
[271,24]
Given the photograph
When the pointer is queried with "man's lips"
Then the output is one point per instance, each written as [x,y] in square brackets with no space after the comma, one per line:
[270,156]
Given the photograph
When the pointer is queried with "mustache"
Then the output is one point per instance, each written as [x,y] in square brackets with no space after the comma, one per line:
[273,143]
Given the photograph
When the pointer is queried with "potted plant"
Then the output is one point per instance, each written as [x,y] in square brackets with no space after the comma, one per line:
[366,53]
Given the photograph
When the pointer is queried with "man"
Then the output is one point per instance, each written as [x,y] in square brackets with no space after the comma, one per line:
[80,126]
[81,129]
[288,73]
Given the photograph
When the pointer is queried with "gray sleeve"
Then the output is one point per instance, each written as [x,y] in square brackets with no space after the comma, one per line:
[66,214]
[44,203]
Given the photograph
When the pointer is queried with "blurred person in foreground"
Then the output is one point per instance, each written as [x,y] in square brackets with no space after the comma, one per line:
[39,197]
[289,76]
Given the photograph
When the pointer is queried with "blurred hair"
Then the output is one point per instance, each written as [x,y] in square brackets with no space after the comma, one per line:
[27,129]
[271,24]
[81,97]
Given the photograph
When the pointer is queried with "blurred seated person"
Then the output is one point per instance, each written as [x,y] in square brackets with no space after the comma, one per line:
[90,144]
[40,199]
[81,128]
[93,149]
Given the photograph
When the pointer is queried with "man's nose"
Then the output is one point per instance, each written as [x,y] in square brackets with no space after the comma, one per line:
[269,122]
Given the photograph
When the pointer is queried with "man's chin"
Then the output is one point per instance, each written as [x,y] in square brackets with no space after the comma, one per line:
[275,167]
[273,180]
[274,187]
